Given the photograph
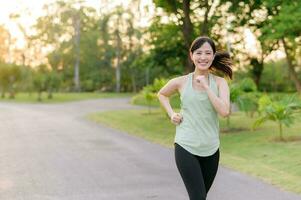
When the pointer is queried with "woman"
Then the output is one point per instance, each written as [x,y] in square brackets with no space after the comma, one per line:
[203,97]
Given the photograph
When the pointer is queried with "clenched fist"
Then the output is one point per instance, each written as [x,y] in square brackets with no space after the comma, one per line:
[176,118]
[201,80]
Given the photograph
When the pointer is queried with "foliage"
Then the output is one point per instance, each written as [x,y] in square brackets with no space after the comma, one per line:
[247,85]
[235,92]
[52,82]
[149,96]
[157,51]
[10,78]
[244,95]
[150,92]
[167,55]
[282,111]
[248,102]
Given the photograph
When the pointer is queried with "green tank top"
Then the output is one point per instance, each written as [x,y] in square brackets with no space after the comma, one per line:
[199,131]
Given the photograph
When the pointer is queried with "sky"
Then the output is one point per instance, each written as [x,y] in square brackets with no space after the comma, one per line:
[30,10]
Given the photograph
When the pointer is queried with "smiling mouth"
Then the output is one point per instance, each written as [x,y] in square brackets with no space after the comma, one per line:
[203,63]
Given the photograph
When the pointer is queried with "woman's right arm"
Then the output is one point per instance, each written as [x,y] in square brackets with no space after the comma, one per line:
[163,95]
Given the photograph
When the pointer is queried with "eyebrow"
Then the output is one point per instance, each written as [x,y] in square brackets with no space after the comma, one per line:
[204,50]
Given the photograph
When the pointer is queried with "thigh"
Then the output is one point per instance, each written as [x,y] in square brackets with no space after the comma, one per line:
[190,171]
[209,167]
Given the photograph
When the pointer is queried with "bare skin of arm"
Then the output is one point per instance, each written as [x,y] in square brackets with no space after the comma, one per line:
[173,86]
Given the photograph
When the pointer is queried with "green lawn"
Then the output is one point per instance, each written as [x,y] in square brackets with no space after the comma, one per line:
[252,152]
[62,97]
[139,99]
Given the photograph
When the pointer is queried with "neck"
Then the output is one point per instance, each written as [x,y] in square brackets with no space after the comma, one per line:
[199,72]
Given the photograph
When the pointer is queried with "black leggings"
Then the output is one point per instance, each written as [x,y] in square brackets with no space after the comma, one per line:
[197,172]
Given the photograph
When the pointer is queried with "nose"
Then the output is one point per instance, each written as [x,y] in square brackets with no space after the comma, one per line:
[202,56]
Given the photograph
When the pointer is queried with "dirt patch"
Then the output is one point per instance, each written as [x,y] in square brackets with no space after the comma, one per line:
[286,139]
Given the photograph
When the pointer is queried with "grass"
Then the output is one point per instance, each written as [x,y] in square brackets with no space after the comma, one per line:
[175,100]
[140,100]
[253,152]
[62,97]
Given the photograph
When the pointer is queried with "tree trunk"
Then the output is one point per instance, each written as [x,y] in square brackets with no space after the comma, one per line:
[204,28]
[147,76]
[280,132]
[117,77]
[50,94]
[39,95]
[257,70]
[77,53]
[118,57]
[187,31]
[291,67]
[134,87]
[11,87]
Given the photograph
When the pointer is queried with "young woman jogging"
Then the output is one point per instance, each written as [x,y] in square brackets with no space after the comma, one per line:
[203,96]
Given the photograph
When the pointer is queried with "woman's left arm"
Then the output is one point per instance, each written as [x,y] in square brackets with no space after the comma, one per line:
[221,103]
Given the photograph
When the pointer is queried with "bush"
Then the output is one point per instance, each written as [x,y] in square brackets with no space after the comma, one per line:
[248,102]
[248,85]
[281,111]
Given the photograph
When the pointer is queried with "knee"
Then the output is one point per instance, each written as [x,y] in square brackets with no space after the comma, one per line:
[203,198]
[198,197]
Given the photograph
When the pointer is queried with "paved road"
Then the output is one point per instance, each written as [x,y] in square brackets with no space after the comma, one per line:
[51,152]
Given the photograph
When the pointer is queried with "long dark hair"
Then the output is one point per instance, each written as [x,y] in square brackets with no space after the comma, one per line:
[222,61]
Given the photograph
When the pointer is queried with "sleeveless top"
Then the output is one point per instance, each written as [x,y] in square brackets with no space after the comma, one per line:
[198,133]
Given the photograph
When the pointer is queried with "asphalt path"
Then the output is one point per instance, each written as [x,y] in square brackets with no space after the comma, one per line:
[52,152]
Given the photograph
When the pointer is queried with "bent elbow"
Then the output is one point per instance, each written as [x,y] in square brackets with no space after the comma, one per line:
[158,95]
[225,113]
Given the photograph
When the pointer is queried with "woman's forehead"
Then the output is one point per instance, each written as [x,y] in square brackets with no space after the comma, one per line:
[205,47]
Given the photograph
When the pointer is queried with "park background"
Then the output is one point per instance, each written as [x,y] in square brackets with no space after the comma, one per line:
[59,51]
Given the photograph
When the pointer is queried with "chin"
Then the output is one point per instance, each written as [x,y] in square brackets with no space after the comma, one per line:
[203,67]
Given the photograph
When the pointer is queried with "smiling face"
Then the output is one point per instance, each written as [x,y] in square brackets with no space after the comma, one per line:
[203,56]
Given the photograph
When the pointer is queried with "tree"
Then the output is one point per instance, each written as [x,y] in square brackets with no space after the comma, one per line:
[5,41]
[10,77]
[4,79]
[52,82]
[118,45]
[121,46]
[40,80]
[76,22]
[274,24]
[283,112]
[283,28]
[181,11]
[71,31]
[195,18]
[166,55]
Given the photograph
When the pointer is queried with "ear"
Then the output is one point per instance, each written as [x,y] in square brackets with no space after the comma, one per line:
[190,54]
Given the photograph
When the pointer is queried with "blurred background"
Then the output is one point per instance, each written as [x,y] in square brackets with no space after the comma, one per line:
[122,46]
[56,51]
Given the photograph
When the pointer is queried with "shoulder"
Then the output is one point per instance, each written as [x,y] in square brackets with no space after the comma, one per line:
[179,81]
[220,80]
